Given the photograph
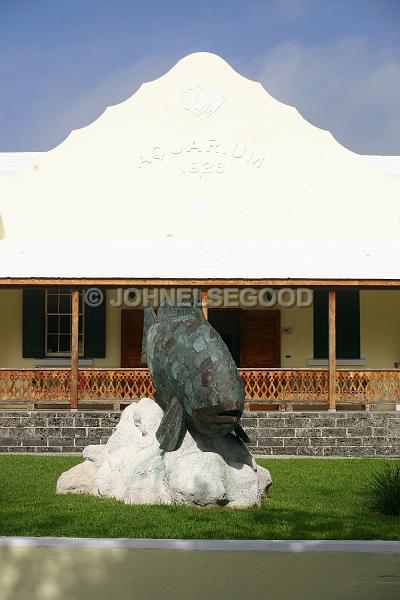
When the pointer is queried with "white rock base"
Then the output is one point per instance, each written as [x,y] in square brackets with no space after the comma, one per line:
[131,467]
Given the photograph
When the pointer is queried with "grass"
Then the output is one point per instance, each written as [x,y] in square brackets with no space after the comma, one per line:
[309,499]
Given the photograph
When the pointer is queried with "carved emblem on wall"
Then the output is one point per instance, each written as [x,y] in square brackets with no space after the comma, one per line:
[201,101]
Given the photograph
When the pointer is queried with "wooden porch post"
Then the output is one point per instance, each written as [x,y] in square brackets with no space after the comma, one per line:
[74,347]
[332,349]
[204,303]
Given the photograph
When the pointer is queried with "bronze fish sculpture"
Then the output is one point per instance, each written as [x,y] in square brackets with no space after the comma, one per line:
[197,383]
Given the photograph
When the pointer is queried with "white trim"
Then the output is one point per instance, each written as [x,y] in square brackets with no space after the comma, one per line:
[62,362]
[340,362]
[356,546]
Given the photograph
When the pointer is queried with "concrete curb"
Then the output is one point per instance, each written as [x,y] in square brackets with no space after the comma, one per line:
[291,546]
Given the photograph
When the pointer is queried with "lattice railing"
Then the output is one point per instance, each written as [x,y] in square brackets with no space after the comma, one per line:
[378,386]
[286,385]
[114,385]
[34,385]
[280,386]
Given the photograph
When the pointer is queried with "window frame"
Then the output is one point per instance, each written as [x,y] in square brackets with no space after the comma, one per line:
[59,292]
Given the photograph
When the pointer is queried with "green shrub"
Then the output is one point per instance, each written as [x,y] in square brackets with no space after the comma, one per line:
[384,491]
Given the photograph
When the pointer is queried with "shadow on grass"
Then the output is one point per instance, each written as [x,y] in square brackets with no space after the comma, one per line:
[83,516]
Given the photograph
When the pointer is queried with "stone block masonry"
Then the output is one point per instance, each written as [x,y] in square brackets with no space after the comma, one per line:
[351,434]
[62,431]
[357,434]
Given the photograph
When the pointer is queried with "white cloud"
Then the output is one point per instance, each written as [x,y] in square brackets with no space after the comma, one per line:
[347,87]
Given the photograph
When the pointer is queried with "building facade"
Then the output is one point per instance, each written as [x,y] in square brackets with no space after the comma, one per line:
[201,183]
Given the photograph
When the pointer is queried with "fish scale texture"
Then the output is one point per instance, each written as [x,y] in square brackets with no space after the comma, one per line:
[189,362]
[204,471]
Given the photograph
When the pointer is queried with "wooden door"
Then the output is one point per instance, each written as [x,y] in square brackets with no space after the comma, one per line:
[260,338]
[131,338]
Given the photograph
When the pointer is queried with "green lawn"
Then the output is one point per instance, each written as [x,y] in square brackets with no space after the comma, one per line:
[309,499]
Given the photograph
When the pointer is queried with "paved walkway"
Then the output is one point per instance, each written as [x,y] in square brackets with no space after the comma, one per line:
[100,569]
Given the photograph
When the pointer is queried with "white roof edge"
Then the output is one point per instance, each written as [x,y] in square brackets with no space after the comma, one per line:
[196,260]
[389,165]
[14,162]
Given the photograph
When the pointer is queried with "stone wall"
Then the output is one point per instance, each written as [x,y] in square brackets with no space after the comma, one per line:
[62,431]
[272,433]
[324,434]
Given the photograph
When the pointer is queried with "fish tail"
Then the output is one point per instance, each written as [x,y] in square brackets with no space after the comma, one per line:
[167,310]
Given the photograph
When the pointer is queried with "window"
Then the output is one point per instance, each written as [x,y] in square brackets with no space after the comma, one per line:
[58,322]
[347,324]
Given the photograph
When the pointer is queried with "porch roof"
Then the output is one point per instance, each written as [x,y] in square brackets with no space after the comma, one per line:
[197,260]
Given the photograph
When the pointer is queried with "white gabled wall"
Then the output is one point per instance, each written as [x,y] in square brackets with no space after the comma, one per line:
[248,167]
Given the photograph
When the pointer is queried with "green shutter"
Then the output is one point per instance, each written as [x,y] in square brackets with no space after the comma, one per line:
[33,323]
[95,330]
[320,324]
[347,324]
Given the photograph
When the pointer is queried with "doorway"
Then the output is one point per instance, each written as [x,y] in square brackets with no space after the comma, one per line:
[252,336]
[260,338]
[131,338]
[227,322]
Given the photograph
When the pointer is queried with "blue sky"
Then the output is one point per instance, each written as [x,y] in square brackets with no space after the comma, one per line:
[63,61]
